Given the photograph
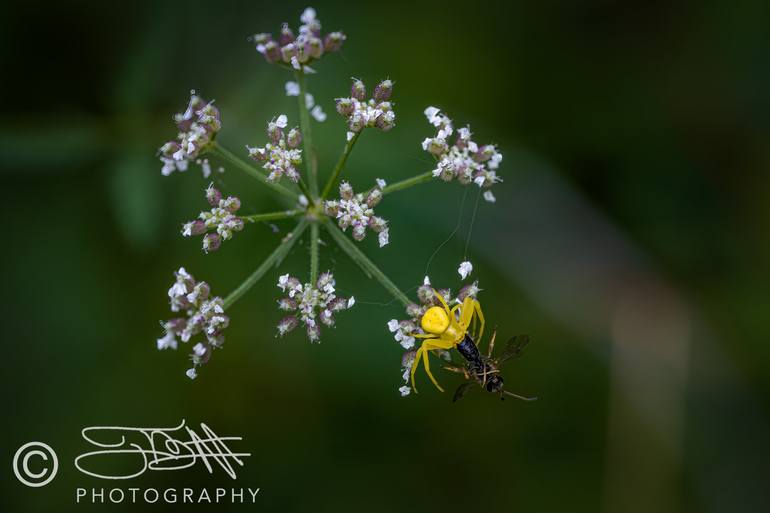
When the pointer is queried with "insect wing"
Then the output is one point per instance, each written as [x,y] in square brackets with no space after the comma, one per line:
[514,348]
[461,391]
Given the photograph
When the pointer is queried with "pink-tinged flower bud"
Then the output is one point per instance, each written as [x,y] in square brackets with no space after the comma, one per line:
[425,294]
[314,333]
[408,359]
[315,47]
[339,304]
[287,304]
[175,326]
[272,52]
[211,242]
[274,132]
[192,228]
[288,51]
[377,224]
[294,138]
[374,198]
[485,153]
[327,318]
[346,191]
[231,204]
[332,208]
[213,196]
[445,293]
[386,121]
[435,146]
[216,339]
[236,224]
[359,232]
[286,36]
[358,90]
[333,41]
[413,310]
[171,147]
[383,91]
[468,291]
[344,106]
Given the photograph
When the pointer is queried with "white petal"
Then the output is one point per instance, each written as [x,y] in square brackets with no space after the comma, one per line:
[282,121]
[426,281]
[431,112]
[292,89]
[465,269]
[191,373]
[489,196]
[405,390]
[349,135]
[309,101]
[351,301]
[318,114]
[383,237]
[295,63]
[393,325]
[381,183]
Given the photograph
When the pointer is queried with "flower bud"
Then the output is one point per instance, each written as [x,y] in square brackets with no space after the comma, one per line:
[383,91]
[331,208]
[192,228]
[435,146]
[176,325]
[287,324]
[315,47]
[333,41]
[287,36]
[272,52]
[344,106]
[231,204]
[359,232]
[346,191]
[274,132]
[413,310]
[358,90]
[294,138]
[287,304]
[211,242]
[425,294]
[213,196]
[377,224]
[313,332]
[288,51]
[171,147]
[386,121]
[374,198]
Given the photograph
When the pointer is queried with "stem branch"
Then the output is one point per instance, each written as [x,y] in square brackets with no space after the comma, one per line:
[367,266]
[409,182]
[271,216]
[307,136]
[313,253]
[340,164]
[275,258]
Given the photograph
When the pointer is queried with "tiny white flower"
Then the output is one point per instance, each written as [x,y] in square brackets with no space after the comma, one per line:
[303,200]
[292,88]
[426,281]
[282,121]
[199,349]
[381,183]
[318,114]
[308,15]
[351,301]
[489,197]
[479,180]
[393,325]
[309,101]
[383,237]
[295,63]
[465,269]
[349,135]
[405,390]
[283,282]
[191,373]
[168,341]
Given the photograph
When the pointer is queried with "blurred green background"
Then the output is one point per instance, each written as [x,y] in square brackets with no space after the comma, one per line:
[629,240]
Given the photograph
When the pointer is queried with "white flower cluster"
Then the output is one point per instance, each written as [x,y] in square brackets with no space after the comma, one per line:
[464,160]
[203,315]
[407,360]
[310,304]
[292,89]
[357,210]
[308,46]
[198,126]
[361,113]
[281,155]
[219,223]
[404,331]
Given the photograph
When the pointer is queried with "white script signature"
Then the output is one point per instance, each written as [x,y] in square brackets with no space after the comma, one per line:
[159,449]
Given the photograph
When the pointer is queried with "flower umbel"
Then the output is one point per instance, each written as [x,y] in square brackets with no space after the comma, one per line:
[281,155]
[357,211]
[203,315]
[360,113]
[198,127]
[464,160]
[219,223]
[309,45]
[310,304]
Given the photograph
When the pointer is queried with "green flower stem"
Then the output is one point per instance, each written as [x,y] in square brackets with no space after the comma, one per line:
[303,189]
[307,137]
[244,166]
[340,164]
[409,182]
[366,265]
[271,216]
[275,259]
[313,253]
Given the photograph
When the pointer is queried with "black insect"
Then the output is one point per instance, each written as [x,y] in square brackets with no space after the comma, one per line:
[485,370]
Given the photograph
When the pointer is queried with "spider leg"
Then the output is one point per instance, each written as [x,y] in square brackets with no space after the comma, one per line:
[415,363]
[477,309]
[426,361]
[422,335]
[443,302]
[492,344]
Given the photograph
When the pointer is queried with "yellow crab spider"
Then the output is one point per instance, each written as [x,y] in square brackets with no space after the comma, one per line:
[444,329]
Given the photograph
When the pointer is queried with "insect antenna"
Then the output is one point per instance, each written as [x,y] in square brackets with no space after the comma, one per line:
[523,398]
